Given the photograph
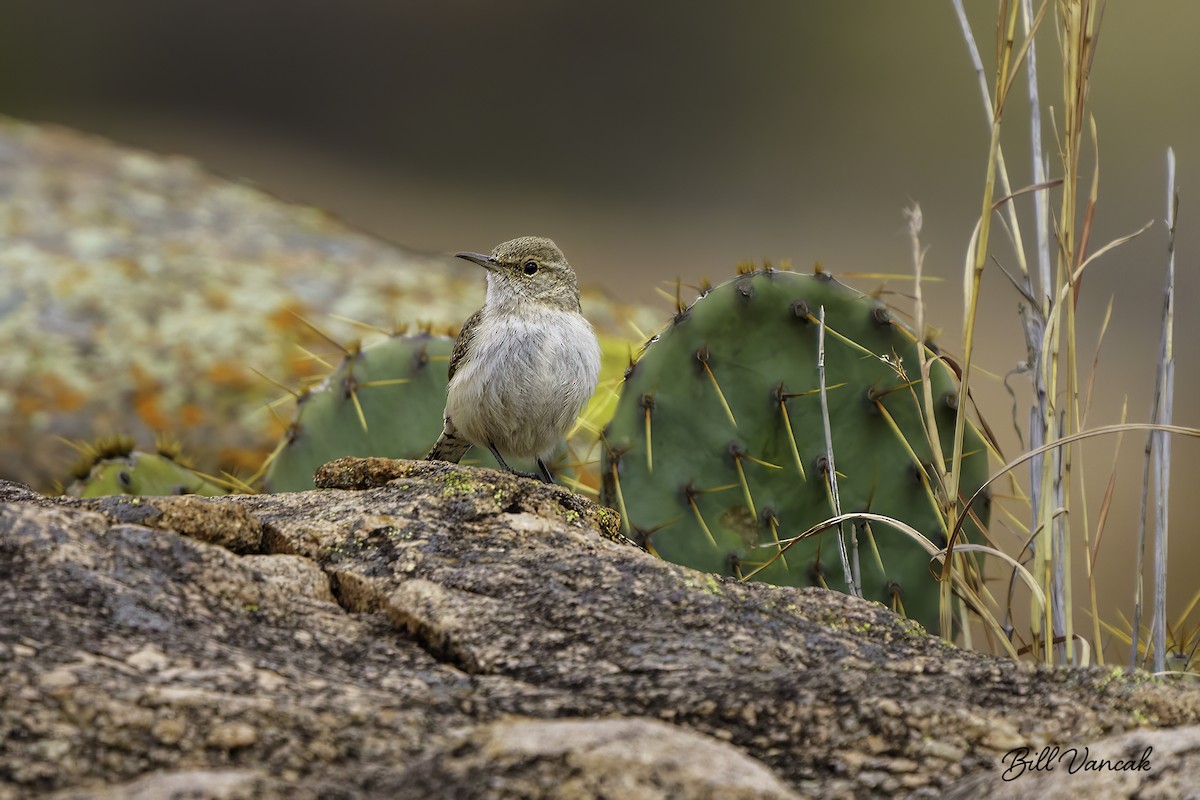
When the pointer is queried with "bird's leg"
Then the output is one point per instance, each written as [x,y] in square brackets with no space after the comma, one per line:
[504,464]
[546,476]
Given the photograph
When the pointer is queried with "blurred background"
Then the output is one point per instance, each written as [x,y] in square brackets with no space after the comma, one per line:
[656,141]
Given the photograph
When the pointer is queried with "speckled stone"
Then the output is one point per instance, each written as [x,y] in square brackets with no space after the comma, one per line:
[140,293]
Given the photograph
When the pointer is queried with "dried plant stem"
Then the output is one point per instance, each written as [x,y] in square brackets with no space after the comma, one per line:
[979,258]
[1103,430]
[1078,20]
[1106,502]
[915,220]
[929,424]
[1156,444]
[852,575]
[1093,550]
[1034,317]
[1163,415]
[996,173]
[1140,551]
[1040,200]
[1049,299]
[991,110]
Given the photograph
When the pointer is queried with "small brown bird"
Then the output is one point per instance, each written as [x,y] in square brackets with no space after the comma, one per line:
[525,364]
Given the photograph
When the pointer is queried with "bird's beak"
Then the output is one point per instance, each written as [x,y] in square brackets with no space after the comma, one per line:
[487,262]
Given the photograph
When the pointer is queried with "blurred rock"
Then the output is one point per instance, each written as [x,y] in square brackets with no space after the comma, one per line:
[442,626]
[138,294]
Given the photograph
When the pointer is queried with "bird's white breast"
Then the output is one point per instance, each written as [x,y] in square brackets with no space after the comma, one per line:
[525,379]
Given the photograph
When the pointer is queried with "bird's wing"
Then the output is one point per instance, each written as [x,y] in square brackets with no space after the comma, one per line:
[464,339]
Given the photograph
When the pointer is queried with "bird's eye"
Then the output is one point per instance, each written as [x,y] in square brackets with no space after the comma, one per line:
[531,267]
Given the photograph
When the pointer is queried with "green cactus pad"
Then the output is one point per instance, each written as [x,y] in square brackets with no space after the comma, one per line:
[385,400]
[716,450]
[113,467]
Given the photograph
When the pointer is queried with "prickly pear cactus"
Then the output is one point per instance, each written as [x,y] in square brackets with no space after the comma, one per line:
[717,448]
[385,399]
[113,466]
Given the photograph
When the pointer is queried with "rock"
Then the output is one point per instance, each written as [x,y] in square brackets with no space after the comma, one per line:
[223,524]
[232,736]
[141,293]
[626,757]
[215,784]
[146,288]
[445,626]
[1129,765]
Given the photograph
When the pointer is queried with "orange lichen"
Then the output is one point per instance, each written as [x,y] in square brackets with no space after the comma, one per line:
[62,397]
[51,393]
[147,394]
[288,318]
[148,410]
[228,375]
[191,415]
[29,404]
[302,365]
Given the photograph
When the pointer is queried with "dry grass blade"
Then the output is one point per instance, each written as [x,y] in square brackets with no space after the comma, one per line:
[1087,397]
[956,581]
[1022,54]
[852,575]
[1041,204]
[1040,186]
[978,256]
[1085,652]
[1066,440]
[928,418]
[899,525]
[1092,551]
[1035,589]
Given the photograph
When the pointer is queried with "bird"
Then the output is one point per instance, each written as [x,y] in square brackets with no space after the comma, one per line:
[525,364]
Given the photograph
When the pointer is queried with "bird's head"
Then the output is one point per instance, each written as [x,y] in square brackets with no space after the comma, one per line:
[528,270]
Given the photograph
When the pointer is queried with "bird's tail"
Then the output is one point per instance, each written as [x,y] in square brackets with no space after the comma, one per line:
[451,445]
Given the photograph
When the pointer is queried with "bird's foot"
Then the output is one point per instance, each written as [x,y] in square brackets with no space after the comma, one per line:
[542,475]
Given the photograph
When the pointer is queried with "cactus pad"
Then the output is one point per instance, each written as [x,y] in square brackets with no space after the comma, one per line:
[113,466]
[385,399]
[717,448]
